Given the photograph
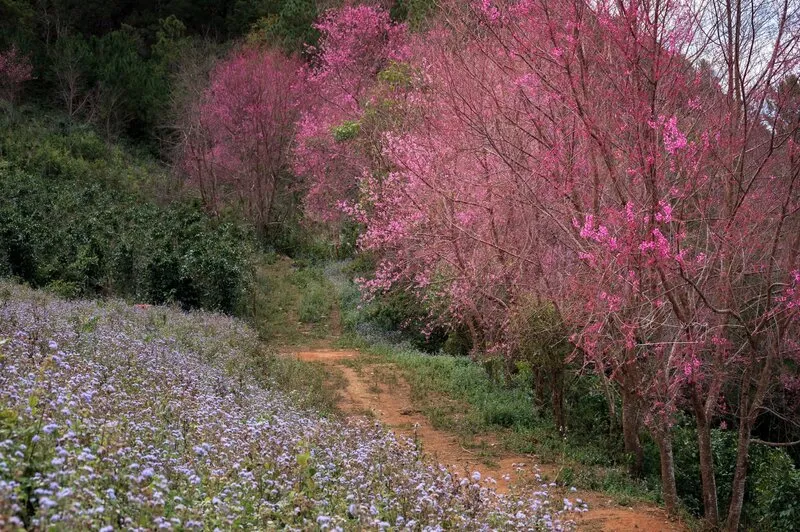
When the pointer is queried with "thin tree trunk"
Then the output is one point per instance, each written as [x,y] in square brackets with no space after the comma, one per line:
[707,477]
[668,487]
[739,477]
[749,403]
[631,424]
[557,396]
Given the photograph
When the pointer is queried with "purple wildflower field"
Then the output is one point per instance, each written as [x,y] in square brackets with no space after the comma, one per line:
[119,417]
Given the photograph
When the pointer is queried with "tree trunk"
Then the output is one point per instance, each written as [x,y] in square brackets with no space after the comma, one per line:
[557,396]
[631,423]
[668,487]
[538,387]
[748,412]
[739,477]
[707,477]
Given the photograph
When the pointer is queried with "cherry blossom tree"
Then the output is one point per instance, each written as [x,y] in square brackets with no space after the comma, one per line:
[238,138]
[585,155]
[338,139]
[15,70]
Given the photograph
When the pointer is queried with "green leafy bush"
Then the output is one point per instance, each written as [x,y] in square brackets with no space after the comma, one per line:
[415,13]
[114,80]
[347,130]
[772,497]
[287,23]
[72,220]
[775,490]
[316,299]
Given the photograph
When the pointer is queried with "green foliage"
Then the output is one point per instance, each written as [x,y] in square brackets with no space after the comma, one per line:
[588,418]
[294,26]
[115,81]
[464,381]
[295,236]
[541,334]
[774,490]
[72,220]
[397,75]
[16,20]
[54,147]
[131,89]
[613,481]
[772,496]
[399,310]
[317,299]
[396,316]
[286,23]
[110,62]
[245,13]
[291,302]
[63,289]
[415,13]
[349,232]
[309,384]
[170,41]
[458,343]
[347,130]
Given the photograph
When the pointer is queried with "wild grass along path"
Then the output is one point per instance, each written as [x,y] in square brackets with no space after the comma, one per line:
[377,389]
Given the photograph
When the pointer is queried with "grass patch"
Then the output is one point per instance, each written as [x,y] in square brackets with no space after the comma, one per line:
[460,383]
[316,297]
[459,396]
[310,384]
[291,303]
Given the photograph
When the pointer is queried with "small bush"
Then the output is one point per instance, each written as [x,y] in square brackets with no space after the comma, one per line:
[502,413]
[347,130]
[775,491]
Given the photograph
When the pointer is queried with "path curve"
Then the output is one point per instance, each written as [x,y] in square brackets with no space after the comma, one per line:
[393,407]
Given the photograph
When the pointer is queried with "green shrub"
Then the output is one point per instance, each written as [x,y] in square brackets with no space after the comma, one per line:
[63,289]
[72,220]
[287,23]
[774,502]
[772,494]
[415,13]
[399,310]
[126,87]
[397,75]
[458,343]
[503,413]
[315,304]
[347,130]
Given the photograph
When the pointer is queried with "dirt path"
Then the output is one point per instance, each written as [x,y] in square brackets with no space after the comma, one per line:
[376,390]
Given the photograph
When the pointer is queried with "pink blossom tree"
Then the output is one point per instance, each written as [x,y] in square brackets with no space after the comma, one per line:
[238,138]
[338,140]
[584,155]
[15,70]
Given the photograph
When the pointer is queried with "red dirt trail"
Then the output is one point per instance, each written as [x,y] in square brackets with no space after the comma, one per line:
[392,406]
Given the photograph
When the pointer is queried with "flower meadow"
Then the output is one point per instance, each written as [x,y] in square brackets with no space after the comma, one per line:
[115,416]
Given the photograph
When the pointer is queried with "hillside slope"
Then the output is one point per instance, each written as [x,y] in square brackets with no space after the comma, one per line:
[141,417]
